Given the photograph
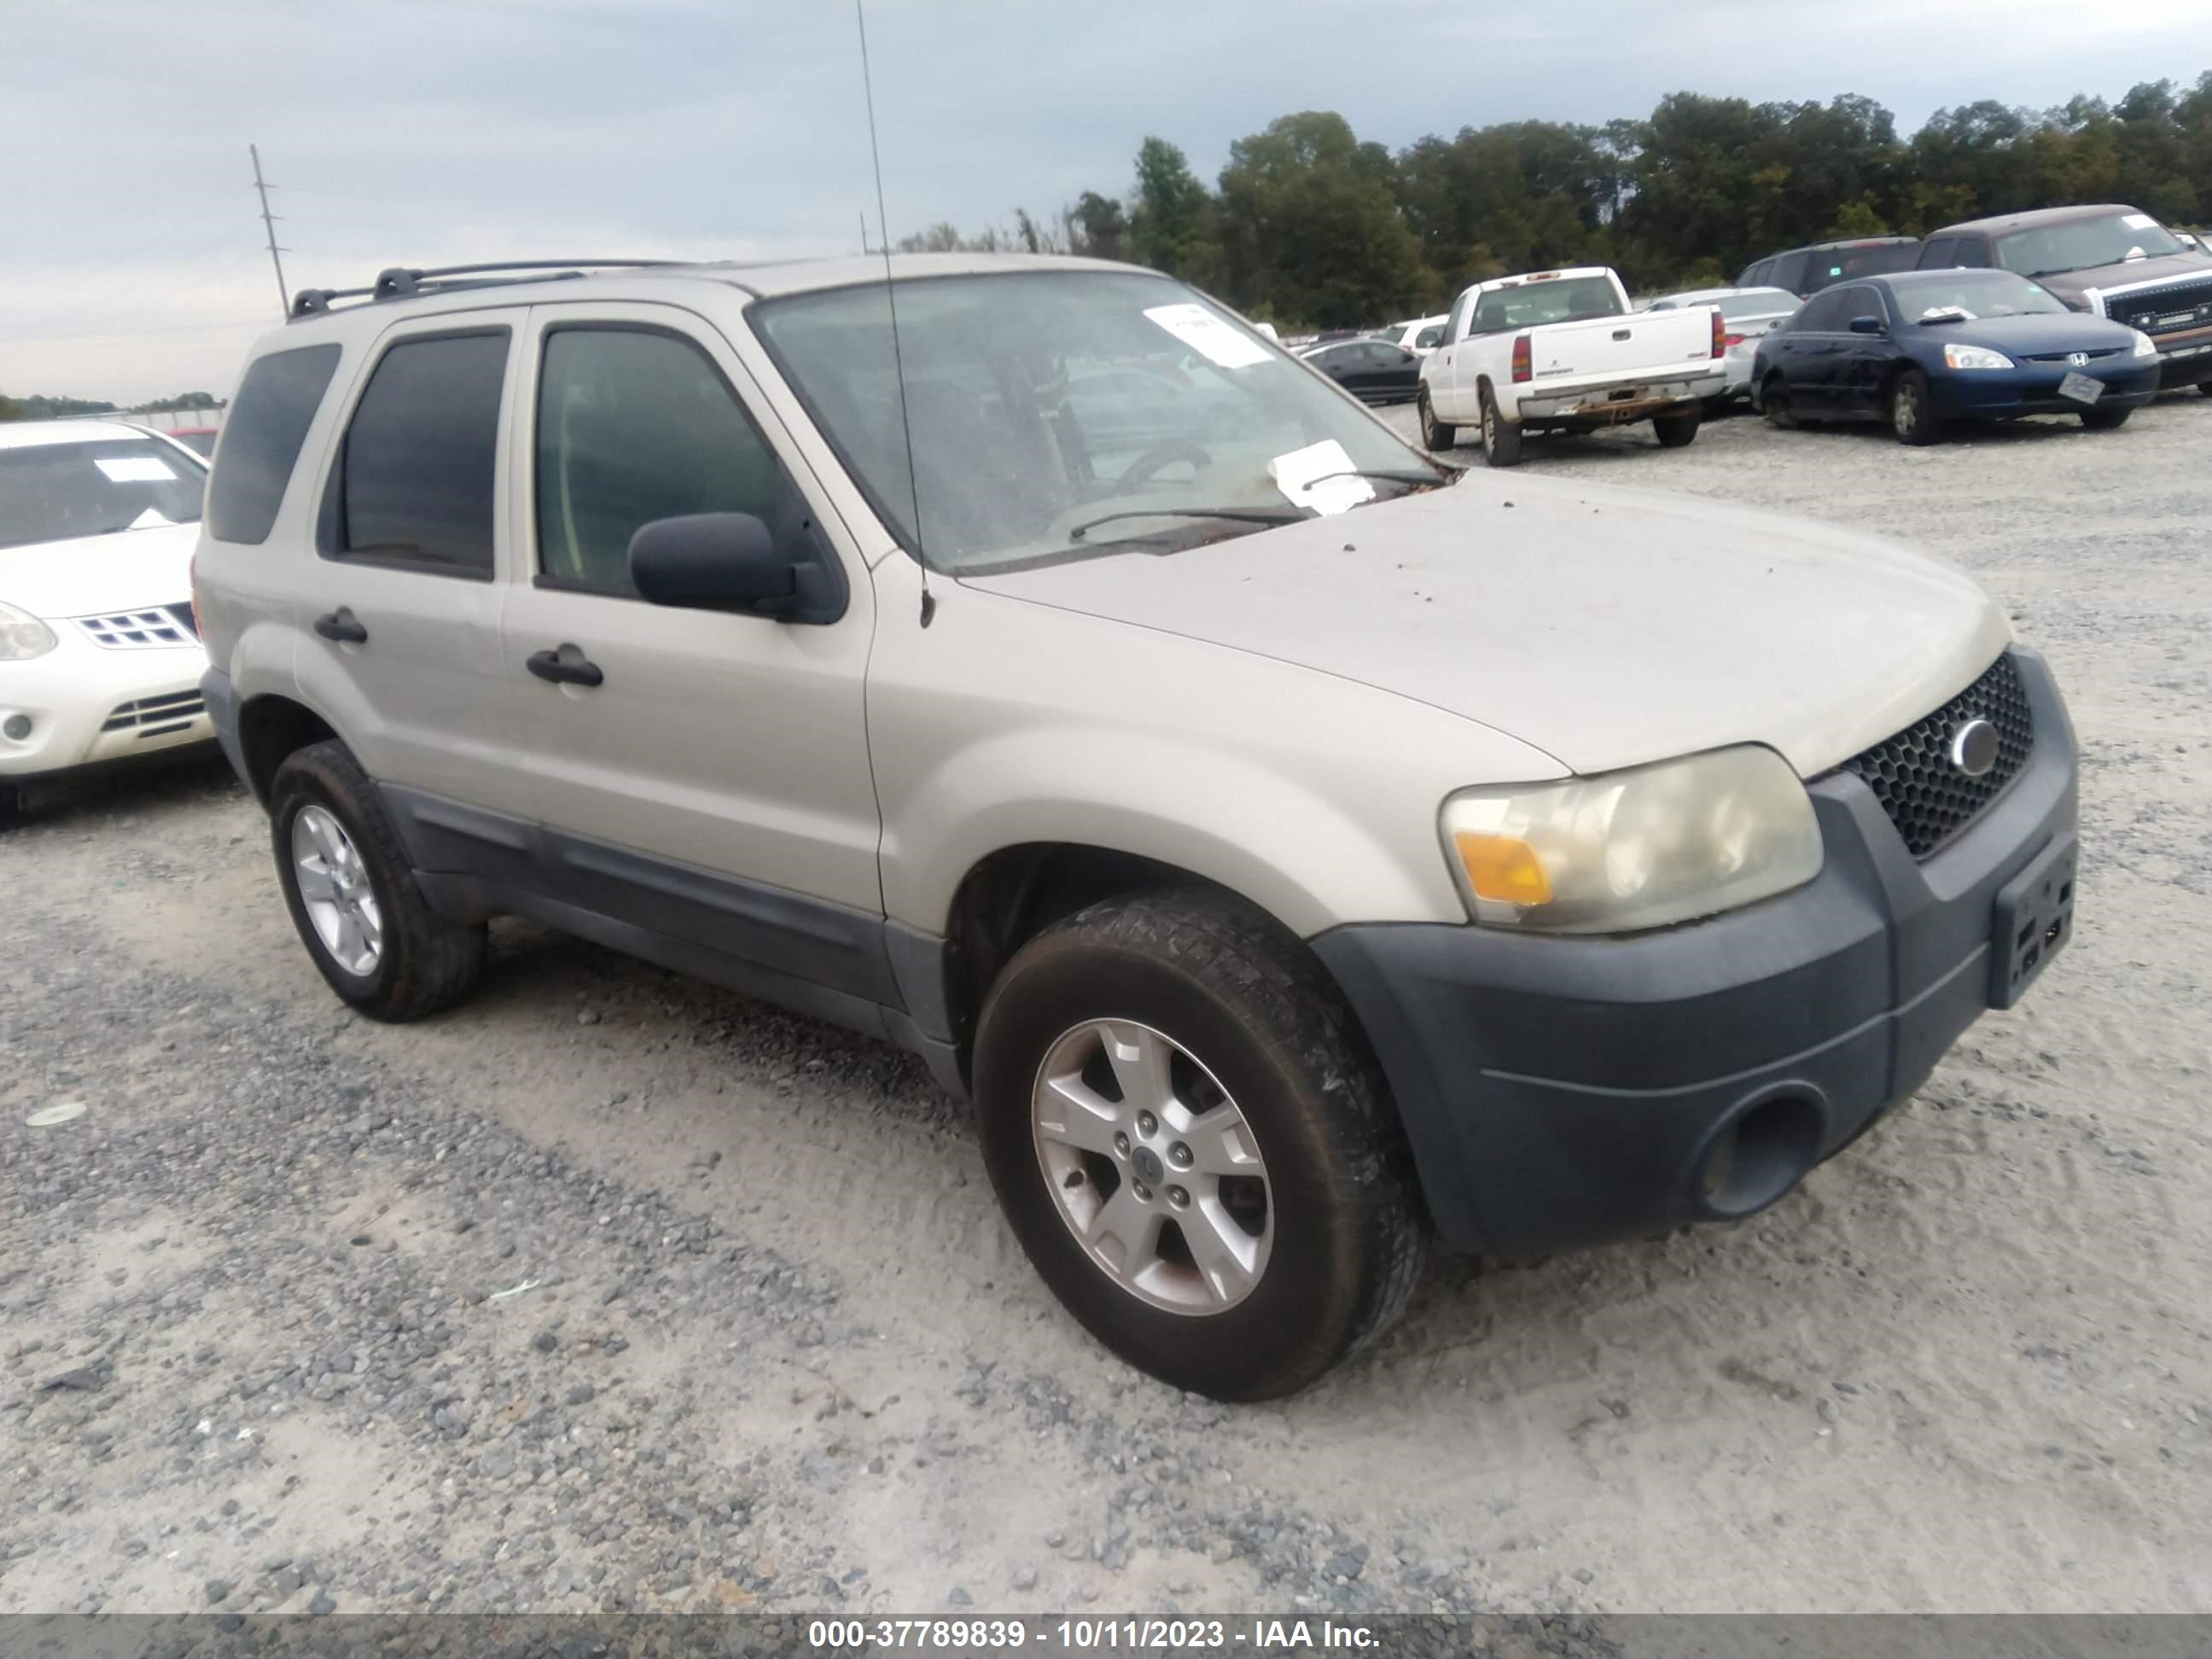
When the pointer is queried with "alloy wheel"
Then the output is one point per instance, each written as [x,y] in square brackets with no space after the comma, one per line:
[1152,1167]
[335,889]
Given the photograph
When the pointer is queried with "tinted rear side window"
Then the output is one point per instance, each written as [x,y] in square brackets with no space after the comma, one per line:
[414,482]
[267,422]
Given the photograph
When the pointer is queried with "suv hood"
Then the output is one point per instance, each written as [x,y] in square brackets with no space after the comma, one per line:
[2077,284]
[1606,627]
[129,570]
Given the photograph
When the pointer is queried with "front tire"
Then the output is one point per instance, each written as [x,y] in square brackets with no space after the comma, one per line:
[1677,431]
[1193,1143]
[1912,410]
[1501,438]
[1436,436]
[2105,420]
[351,891]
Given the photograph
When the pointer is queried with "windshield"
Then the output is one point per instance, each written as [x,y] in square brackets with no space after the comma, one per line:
[1039,403]
[1944,293]
[58,492]
[2110,239]
[1536,304]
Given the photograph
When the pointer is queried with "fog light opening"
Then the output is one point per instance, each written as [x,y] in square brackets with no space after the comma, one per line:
[17,727]
[1759,1155]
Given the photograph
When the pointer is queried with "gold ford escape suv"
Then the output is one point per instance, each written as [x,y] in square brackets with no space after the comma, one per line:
[1289,846]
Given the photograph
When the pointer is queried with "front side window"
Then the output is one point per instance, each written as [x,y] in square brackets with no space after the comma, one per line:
[1824,314]
[99,487]
[1066,415]
[268,422]
[2108,238]
[415,476]
[636,425]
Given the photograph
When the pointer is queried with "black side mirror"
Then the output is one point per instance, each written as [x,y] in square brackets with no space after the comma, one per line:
[1869,326]
[713,562]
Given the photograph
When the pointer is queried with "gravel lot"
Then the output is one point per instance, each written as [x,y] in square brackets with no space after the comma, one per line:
[611,1290]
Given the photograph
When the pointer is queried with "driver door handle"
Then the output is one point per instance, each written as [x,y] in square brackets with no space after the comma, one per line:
[340,626]
[549,665]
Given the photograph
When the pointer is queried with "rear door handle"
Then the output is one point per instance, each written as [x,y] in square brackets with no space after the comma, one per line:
[339,625]
[549,665]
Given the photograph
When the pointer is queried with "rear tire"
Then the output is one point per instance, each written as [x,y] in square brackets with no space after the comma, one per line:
[1774,404]
[11,804]
[1677,431]
[358,910]
[1501,438]
[1216,1016]
[1912,410]
[1436,436]
[2105,420]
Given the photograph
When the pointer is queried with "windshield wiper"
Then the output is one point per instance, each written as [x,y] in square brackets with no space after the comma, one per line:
[1243,515]
[1403,478]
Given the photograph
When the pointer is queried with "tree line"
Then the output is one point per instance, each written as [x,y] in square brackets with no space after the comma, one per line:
[44,408]
[1307,225]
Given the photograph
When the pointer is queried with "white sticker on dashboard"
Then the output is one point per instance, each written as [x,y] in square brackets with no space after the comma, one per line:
[1319,476]
[1208,334]
[2138,222]
[136,469]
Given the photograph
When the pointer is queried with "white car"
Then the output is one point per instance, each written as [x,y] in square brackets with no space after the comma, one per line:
[100,655]
[1748,316]
[1418,334]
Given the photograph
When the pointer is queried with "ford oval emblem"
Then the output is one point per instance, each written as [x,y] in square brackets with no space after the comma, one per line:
[1973,748]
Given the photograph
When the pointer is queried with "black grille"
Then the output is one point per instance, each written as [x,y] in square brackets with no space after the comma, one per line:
[1926,797]
[2167,310]
[183,613]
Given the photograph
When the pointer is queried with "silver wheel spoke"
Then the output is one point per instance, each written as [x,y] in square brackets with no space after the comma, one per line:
[1139,1060]
[1220,1143]
[1227,1255]
[347,946]
[1127,1232]
[1070,1111]
[335,891]
[317,885]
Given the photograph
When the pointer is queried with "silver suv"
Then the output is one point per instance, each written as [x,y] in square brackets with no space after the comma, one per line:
[1289,846]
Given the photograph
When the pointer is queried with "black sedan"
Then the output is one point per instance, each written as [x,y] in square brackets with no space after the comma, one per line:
[1373,371]
[1919,349]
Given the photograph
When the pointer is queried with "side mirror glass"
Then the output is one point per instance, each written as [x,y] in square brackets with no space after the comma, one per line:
[1867,325]
[713,562]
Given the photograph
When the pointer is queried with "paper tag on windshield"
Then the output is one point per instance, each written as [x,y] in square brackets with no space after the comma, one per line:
[136,469]
[1208,335]
[1303,477]
[2138,222]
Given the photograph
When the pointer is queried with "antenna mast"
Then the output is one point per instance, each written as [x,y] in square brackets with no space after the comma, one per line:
[890,297]
[268,223]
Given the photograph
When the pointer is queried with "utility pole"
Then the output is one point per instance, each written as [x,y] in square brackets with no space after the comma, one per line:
[864,235]
[268,223]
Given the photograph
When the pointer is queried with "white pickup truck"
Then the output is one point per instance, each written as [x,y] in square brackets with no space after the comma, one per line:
[1561,350]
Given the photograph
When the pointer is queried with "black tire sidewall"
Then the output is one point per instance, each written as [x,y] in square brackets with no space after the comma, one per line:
[301,782]
[1299,1316]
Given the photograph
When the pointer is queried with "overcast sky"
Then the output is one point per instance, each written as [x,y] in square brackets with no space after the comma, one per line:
[401,131]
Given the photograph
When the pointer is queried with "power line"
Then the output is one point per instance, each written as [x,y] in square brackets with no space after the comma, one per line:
[269,224]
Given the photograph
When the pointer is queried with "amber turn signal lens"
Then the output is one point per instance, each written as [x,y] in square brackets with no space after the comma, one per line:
[1503,868]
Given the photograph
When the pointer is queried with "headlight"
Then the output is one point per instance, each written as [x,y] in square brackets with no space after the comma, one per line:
[1966,357]
[23,635]
[2145,346]
[1637,848]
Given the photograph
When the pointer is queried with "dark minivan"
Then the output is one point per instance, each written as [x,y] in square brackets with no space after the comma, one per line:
[1806,271]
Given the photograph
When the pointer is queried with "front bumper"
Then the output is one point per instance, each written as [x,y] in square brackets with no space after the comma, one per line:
[1565,1091]
[2184,359]
[91,706]
[2032,389]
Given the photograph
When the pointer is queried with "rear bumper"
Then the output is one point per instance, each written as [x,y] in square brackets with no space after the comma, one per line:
[1615,401]
[1565,1092]
[221,700]
[2033,390]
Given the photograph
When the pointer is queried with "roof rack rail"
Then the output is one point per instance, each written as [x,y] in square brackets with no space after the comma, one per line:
[400,282]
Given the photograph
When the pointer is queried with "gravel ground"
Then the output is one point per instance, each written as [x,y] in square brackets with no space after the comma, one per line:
[613,1291]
